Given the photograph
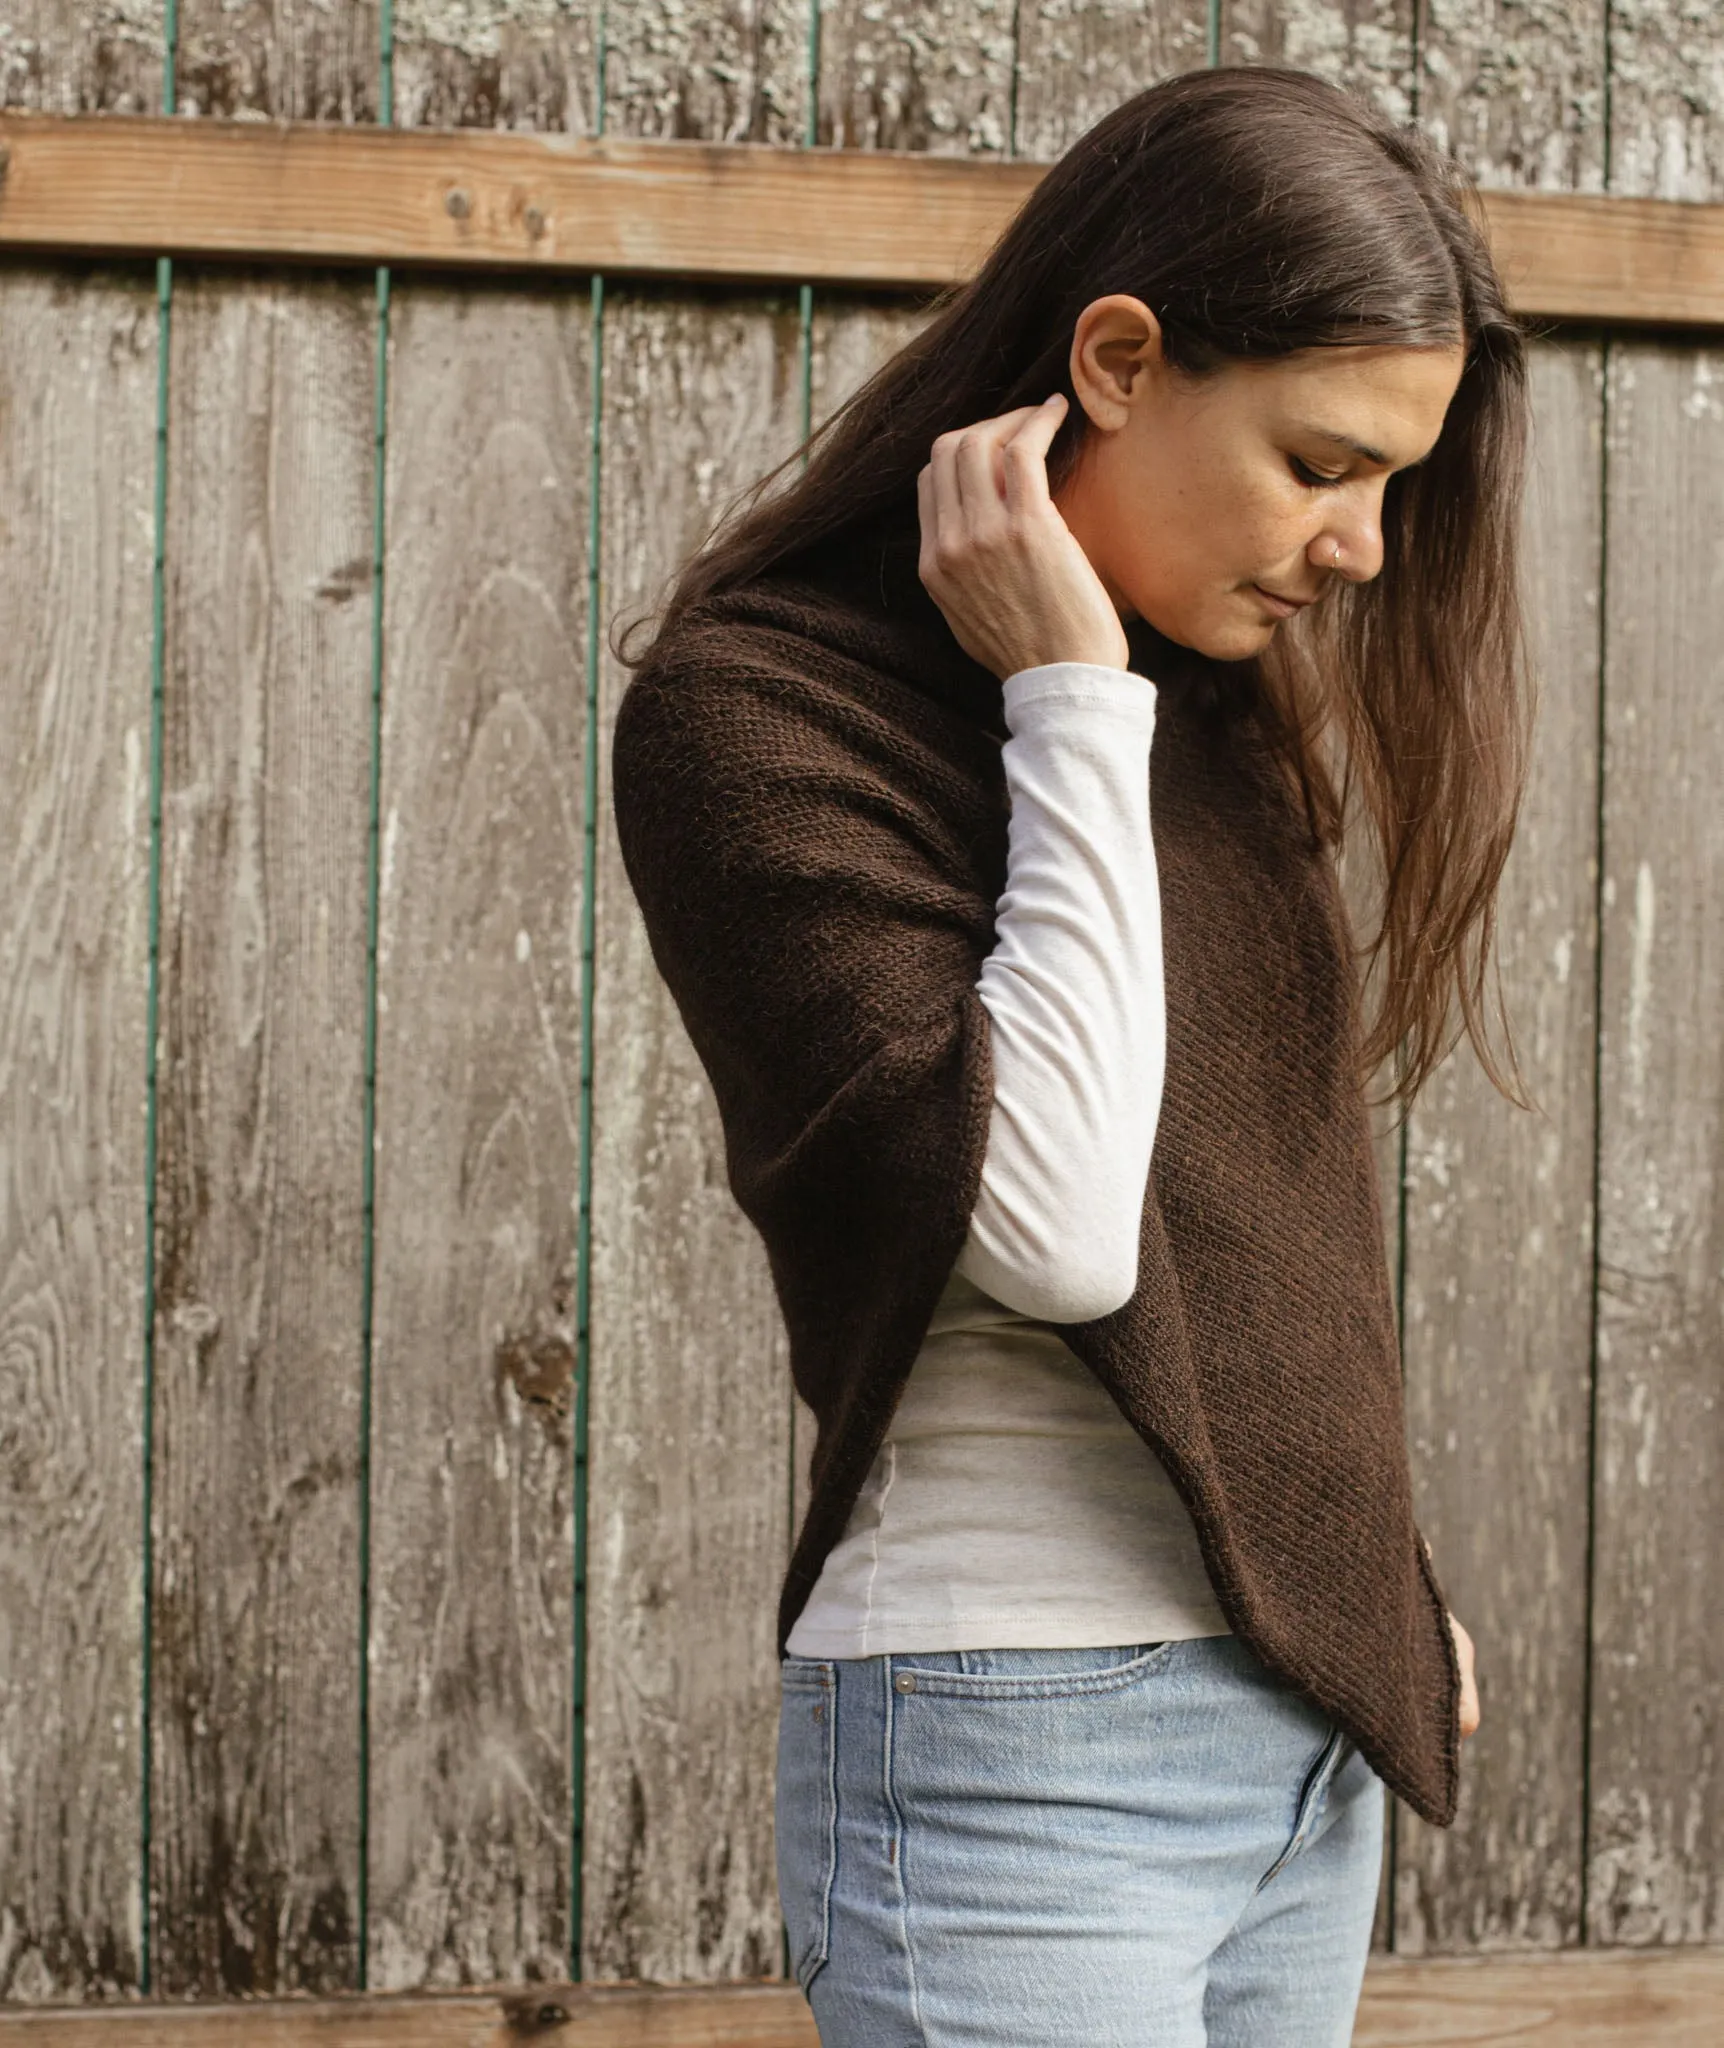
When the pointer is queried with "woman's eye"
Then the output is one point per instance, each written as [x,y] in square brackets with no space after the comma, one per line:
[1307,475]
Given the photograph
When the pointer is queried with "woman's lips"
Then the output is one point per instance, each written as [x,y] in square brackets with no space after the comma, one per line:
[1282,607]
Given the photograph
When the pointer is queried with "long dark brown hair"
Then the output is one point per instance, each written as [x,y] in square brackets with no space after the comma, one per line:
[1259,211]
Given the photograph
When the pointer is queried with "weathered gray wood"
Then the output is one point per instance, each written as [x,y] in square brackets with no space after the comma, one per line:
[1499,1279]
[690,1415]
[1515,89]
[736,72]
[1657,1780]
[1078,59]
[77,469]
[1366,45]
[260,1239]
[478,1136]
[690,1456]
[292,60]
[1666,92]
[477,1232]
[917,74]
[1656,1790]
[1499,1213]
[65,57]
[1573,2000]
[490,64]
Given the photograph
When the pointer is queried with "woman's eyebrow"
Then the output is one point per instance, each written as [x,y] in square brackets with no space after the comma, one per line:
[1358,447]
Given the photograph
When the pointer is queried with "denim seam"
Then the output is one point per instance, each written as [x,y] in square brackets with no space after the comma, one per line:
[985,1686]
[900,1836]
[1311,1799]
[825,1951]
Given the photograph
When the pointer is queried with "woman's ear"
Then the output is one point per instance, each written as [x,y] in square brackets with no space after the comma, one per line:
[1116,346]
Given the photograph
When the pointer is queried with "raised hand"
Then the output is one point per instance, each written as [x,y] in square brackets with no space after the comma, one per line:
[1007,572]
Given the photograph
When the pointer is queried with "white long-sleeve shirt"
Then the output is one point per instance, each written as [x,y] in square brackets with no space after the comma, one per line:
[1011,1503]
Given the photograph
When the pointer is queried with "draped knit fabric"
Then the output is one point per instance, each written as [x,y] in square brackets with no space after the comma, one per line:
[812,814]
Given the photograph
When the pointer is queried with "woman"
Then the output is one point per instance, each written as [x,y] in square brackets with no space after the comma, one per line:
[981,791]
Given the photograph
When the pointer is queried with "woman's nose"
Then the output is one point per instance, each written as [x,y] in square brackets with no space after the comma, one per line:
[1350,547]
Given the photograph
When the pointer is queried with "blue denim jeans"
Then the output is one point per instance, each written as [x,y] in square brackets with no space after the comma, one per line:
[1153,1846]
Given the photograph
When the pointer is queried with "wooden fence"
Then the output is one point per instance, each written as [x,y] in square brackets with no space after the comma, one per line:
[397,1456]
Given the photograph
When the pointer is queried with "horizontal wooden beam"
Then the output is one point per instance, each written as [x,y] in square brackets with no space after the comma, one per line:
[1622,1998]
[313,191]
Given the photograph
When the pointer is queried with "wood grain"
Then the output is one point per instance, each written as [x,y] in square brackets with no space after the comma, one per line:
[531,67]
[690,1390]
[1657,1777]
[1499,1277]
[733,72]
[1365,45]
[71,57]
[690,1413]
[260,1232]
[473,1801]
[933,75]
[478,1136]
[77,483]
[1515,89]
[1078,59]
[1499,1209]
[283,60]
[1569,2001]
[1656,1780]
[461,199]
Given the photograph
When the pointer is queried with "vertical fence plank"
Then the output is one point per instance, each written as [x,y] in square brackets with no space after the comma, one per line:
[1516,93]
[1078,59]
[478,1136]
[916,74]
[77,465]
[293,60]
[77,480]
[690,1400]
[1656,1780]
[1657,1789]
[690,1396]
[1499,1280]
[68,57]
[483,820]
[734,73]
[255,1683]
[497,66]
[1499,1201]
[258,1203]
[1366,45]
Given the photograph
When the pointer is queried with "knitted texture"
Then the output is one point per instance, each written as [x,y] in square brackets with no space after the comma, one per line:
[812,813]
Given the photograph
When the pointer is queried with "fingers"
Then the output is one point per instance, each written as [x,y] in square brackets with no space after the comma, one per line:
[970,479]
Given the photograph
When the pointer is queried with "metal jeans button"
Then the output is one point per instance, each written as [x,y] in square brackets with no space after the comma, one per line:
[905,1681]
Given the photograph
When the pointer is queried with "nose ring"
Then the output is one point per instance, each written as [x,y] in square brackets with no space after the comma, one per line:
[1337,561]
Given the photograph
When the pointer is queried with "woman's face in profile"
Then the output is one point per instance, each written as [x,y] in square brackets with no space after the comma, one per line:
[1195,498]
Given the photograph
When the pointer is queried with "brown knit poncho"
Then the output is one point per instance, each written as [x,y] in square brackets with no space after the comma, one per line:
[812,813]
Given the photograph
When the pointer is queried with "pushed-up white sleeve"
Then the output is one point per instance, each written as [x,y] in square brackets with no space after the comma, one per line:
[1075,1000]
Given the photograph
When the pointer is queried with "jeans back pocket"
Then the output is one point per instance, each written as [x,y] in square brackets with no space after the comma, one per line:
[806,1809]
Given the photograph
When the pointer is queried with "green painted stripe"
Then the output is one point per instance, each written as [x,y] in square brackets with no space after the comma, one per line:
[152,1015]
[368,1161]
[584,1223]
